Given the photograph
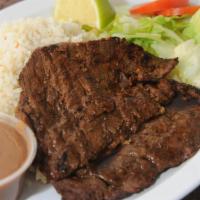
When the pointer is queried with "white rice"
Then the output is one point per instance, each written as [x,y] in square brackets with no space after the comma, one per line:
[18,40]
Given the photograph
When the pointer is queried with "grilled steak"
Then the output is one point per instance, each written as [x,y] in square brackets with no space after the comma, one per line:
[162,143]
[107,120]
[84,100]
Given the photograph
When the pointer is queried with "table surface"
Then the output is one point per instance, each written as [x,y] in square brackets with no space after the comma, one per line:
[194,195]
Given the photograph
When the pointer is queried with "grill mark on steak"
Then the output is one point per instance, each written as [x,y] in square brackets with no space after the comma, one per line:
[83,99]
[163,143]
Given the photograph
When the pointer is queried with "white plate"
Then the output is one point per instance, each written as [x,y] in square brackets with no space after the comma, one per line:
[172,185]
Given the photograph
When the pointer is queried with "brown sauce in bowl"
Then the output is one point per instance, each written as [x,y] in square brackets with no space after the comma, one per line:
[13,150]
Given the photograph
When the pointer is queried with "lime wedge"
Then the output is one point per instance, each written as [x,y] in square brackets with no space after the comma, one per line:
[97,13]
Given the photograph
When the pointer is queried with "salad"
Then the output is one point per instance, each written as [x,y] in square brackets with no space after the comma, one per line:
[165,28]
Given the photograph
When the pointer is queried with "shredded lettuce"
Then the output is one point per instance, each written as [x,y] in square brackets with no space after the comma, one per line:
[188,69]
[154,34]
[193,29]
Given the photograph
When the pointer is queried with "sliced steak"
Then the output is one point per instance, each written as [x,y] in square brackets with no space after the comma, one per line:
[162,143]
[85,99]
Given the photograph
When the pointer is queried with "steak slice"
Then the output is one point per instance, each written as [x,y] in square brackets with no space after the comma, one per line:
[161,143]
[85,99]
[69,143]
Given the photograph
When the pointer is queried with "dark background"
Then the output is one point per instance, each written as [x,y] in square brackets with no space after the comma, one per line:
[194,195]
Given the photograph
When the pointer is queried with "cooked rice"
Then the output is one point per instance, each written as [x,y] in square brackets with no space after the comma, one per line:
[18,39]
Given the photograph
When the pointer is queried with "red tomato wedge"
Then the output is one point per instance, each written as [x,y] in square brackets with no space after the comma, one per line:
[158,6]
[189,10]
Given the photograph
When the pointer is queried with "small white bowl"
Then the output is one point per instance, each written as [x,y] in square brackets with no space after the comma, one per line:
[10,186]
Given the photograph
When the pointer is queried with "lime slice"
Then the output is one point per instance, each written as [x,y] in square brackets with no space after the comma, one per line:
[97,13]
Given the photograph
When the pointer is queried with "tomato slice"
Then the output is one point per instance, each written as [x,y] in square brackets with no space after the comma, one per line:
[158,6]
[189,10]
[174,3]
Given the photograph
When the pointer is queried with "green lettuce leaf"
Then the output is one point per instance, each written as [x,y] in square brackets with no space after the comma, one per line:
[188,69]
[193,29]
